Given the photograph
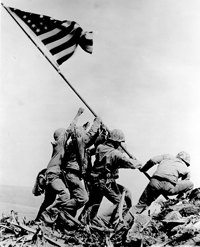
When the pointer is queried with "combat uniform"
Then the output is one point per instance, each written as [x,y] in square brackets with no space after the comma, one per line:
[107,161]
[172,177]
[75,165]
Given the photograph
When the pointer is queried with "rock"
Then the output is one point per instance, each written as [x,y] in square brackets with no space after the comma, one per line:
[197,225]
[140,222]
[174,215]
[196,202]
[189,209]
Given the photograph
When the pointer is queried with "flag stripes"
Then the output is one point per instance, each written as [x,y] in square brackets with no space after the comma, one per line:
[61,38]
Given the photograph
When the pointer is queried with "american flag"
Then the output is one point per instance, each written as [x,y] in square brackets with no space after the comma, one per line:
[61,38]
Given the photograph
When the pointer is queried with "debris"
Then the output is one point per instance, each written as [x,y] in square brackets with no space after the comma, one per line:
[176,223]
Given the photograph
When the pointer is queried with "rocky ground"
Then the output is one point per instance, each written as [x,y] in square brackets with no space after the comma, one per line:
[177,223]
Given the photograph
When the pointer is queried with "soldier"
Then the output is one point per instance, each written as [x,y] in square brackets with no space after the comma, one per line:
[172,177]
[55,186]
[108,159]
[75,165]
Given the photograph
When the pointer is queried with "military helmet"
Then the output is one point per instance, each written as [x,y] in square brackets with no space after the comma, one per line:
[184,156]
[59,132]
[117,135]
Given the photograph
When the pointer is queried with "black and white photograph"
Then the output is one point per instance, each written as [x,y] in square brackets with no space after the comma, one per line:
[100,123]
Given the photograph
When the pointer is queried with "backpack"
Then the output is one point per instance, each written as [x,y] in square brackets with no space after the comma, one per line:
[40,183]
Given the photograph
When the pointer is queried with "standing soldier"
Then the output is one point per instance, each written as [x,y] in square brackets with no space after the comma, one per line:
[75,165]
[108,159]
[55,186]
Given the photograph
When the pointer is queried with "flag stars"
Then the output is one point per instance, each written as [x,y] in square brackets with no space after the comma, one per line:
[41,24]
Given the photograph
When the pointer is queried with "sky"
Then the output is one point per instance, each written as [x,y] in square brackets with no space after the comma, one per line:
[143,78]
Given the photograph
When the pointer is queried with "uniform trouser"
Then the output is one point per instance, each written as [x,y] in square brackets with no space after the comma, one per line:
[157,187]
[69,199]
[78,193]
[153,190]
[100,189]
[56,196]
[111,215]
[49,197]
[128,195]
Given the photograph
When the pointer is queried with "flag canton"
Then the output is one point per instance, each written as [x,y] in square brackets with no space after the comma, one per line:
[39,24]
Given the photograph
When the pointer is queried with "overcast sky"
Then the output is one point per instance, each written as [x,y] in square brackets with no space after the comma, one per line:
[143,78]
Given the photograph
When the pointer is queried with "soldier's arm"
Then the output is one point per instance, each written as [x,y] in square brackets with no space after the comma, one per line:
[70,129]
[155,160]
[125,162]
[75,120]
[184,172]
[62,141]
[92,133]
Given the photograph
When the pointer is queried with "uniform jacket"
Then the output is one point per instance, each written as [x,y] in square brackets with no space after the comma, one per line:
[75,157]
[108,160]
[57,154]
[170,167]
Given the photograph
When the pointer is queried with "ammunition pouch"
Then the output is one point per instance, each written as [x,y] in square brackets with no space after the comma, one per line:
[106,176]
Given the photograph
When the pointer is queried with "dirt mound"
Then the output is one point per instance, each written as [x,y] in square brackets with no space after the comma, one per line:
[176,224]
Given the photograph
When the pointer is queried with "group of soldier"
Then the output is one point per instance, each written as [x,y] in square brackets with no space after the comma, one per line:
[73,179]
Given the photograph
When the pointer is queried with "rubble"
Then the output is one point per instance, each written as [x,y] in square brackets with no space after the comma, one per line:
[177,223]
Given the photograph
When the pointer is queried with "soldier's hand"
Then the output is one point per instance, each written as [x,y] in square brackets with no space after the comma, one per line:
[139,164]
[98,120]
[103,126]
[136,163]
[80,111]
[130,155]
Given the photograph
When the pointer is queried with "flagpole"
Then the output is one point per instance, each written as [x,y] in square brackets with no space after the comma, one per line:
[60,73]
[55,67]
